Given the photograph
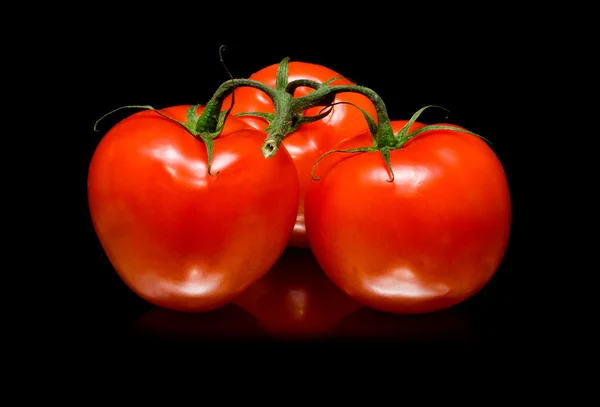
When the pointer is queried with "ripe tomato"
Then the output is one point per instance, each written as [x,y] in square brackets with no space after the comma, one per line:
[179,237]
[426,241]
[296,299]
[310,140]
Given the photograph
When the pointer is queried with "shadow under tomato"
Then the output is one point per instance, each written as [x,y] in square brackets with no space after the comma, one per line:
[441,327]
[296,300]
[226,324]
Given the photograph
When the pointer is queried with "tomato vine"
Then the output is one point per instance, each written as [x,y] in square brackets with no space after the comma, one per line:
[289,115]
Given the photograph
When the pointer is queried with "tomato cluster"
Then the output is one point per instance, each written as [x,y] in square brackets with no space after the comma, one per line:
[401,216]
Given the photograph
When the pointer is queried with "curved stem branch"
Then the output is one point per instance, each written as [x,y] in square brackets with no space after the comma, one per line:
[121,108]
[292,86]
[207,122]
[323,95]
[385,134]
[283,122]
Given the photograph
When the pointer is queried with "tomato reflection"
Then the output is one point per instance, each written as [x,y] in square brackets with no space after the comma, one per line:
[445,326]
[227,323]
[295,299]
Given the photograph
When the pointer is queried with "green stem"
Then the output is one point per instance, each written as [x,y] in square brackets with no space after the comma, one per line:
[208,120]
[292,86]
[287,109]
[323,95]
[385,135]
[282,124]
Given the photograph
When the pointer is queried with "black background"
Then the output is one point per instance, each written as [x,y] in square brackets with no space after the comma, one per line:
[481,85]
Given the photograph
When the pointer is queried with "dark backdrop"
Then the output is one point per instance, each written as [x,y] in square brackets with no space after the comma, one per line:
[480,85]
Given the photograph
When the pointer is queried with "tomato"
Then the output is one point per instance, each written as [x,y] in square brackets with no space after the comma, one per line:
[179,237]
[296,299]
[310,140]
[426,241]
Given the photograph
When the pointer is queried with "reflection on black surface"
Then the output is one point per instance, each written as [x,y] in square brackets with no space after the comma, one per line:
[227,323]
[297,301]
[445,326]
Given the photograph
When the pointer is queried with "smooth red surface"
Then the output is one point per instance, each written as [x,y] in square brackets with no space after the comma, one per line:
[296,299]
[427,241]
[311,140]
[178,237]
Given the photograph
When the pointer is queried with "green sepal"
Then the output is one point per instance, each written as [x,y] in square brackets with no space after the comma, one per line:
[385,153]
[263,115]
[208,142]
[370,121]
[281,80]
[350,150]
[335,78]
[192,117]
[403,135]
[404,130]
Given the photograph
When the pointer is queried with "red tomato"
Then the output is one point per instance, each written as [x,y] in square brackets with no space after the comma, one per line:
[179,237]
[310,140]
[296,299]
[426,241]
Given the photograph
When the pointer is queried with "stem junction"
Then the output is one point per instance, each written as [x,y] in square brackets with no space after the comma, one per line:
[289,115]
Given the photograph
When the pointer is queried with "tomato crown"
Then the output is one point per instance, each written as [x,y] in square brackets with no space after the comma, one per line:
[289,115]
[205,127]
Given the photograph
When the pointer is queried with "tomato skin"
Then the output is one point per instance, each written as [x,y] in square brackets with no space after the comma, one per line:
[295,299]
[177,236]
[310,140]
[425,242]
